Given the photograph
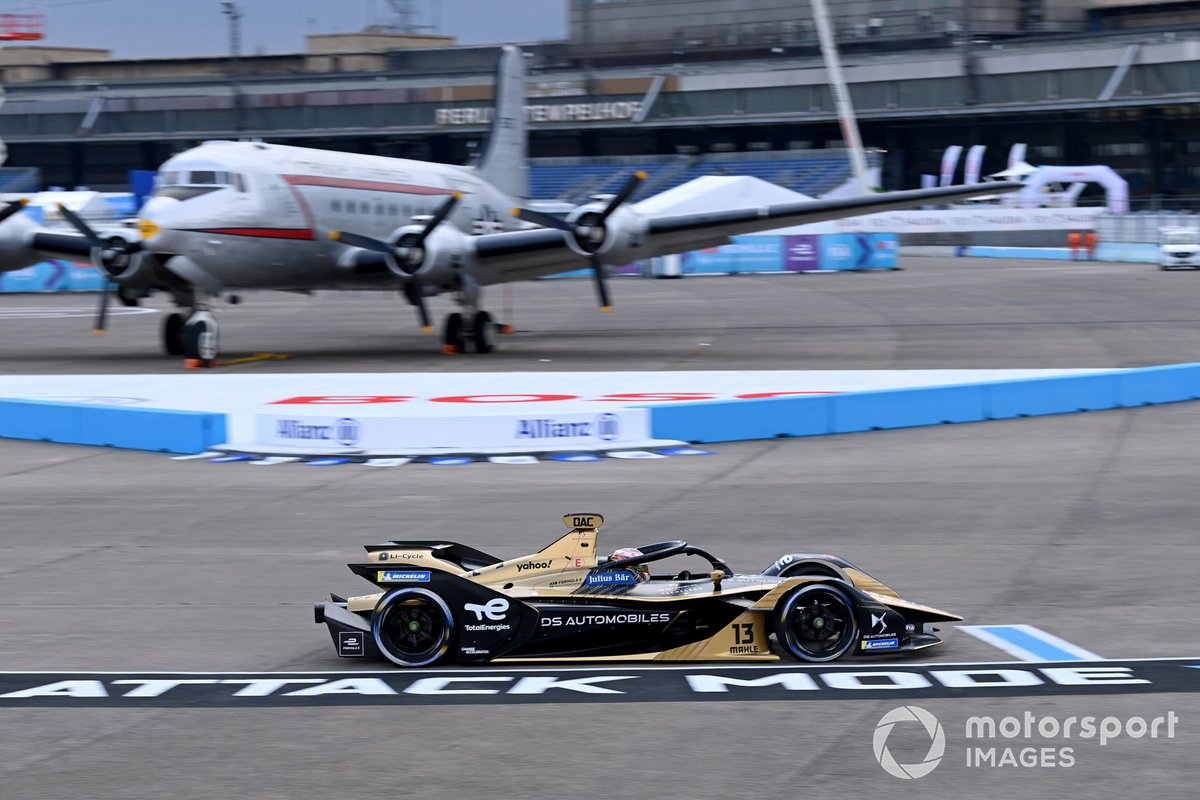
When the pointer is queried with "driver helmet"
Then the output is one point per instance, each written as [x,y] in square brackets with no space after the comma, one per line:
[640,571]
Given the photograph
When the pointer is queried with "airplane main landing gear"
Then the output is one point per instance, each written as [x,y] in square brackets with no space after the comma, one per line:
[201,344]
[194,334]
[477,330]
[473,326]
[172,334]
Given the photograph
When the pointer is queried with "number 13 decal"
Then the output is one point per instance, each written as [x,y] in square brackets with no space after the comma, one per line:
[743,633]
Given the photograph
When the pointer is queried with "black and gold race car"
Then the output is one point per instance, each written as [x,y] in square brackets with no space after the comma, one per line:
[449,603]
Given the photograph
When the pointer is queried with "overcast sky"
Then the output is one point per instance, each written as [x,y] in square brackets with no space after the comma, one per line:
[153,28]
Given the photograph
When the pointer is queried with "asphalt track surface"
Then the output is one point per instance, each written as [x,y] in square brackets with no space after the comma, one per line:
[1083,525]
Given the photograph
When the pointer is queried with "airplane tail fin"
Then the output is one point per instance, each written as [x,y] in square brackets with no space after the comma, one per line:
[505,159]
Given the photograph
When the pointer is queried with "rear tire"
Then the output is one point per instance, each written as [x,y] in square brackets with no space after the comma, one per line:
[818,622]
[413,627]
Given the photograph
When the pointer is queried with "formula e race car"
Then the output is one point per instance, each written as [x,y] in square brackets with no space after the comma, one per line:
[443,603]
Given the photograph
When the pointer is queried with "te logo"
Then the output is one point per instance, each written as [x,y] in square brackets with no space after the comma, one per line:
[492,609]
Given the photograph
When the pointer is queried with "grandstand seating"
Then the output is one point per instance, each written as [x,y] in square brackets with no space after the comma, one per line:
[811,172]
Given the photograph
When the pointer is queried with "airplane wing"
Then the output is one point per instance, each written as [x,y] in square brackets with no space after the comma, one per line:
[521,255]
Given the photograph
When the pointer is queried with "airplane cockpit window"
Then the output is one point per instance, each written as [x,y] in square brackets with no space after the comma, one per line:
[186,184]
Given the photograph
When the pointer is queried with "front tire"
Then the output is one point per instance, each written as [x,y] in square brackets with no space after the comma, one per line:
[817,623]
[413,627]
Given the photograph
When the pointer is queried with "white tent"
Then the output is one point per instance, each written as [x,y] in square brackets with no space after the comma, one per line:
[716,193]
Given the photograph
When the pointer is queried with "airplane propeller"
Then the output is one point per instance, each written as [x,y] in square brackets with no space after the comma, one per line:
[13,208]
[408,250]
[115,251]
[588,231]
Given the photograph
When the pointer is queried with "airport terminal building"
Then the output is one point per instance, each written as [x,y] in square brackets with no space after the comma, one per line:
[1079,81]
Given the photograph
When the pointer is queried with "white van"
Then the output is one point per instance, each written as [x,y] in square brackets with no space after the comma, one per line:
[1178,247]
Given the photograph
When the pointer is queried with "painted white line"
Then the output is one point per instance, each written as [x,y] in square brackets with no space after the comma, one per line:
[513,459]
[205,454]
[271,461]
[1029,643]
[633,454]
[386,462]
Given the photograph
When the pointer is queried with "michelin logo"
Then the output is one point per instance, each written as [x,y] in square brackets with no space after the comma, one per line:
[403,576]
[891,643]
[605,427]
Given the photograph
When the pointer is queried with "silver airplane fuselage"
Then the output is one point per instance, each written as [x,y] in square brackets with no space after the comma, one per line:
[256,215]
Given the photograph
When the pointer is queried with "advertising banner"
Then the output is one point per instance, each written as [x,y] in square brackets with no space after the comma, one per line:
[528,429]
[745,254]
[801,253]
[858,251]
[52,276]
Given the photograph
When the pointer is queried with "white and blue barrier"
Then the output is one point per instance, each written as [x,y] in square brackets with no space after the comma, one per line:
[1120,252]
[52,276]
[111,426]
[725,421]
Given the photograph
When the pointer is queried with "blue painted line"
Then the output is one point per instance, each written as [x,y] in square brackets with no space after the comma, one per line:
[685,451]
[229,459]
[1029,643]
[326,462]
[451,461]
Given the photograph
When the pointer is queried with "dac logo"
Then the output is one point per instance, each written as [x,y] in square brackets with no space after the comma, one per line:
[608,427]
[347,432]
[937,745]
[492,609]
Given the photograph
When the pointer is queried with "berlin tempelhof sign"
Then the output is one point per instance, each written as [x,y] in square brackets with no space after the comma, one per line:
[560,112]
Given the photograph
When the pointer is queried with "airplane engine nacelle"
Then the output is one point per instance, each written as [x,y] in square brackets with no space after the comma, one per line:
[117,261]
[15,252]
[617,240]
[435,260]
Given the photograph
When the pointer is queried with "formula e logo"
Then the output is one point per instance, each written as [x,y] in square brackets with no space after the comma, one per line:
[492,609]
[608,427]
[347,432]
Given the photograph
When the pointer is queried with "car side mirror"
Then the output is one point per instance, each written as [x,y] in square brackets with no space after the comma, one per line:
[717,576]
